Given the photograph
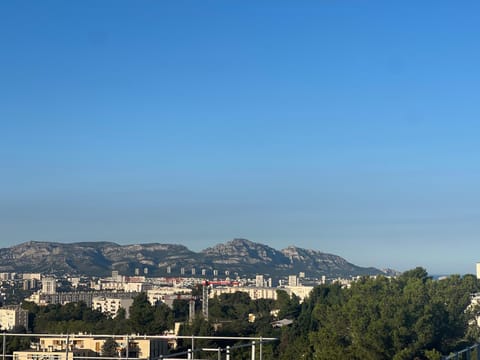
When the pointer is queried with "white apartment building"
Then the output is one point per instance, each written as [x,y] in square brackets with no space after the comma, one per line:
[13,316]
[4,276]
[49,285]
[301,291]
[122,283]
[111,306]
[32,276]
[63,298]
[293,280]
[255,293]
[162,294]
[135,287]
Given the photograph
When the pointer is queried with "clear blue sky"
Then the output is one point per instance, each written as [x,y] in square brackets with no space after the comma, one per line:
[349,127]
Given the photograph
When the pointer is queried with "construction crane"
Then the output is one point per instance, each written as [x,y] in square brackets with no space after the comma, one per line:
[205,285]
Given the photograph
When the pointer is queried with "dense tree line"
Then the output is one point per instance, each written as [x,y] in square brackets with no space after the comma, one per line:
[408,317]
[79,318]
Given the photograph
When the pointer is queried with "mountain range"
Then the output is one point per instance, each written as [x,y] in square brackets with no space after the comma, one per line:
[237,257]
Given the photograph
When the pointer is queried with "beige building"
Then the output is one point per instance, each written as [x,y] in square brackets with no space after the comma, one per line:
[256,293]
[54,348]
[48,355]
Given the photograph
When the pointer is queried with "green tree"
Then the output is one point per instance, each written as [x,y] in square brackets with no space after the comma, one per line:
[289,306]
[412,316]
[180,309]
[162,319]
[110,348]
[142,314]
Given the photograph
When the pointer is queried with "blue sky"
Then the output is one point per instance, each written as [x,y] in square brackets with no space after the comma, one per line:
[349,127]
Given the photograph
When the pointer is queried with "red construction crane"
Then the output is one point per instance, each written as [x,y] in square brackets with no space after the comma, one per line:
[206,284]
[219,282]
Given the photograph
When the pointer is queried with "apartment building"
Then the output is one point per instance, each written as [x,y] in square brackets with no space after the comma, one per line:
[49,285]
[255,293]
[111,305]
[12,316]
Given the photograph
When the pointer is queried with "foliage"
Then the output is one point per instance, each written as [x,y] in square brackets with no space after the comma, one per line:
[412,316]
[142,314]
[15,343]
[180,310]
[149,319]
[289,305]
[109,348]
[69,318]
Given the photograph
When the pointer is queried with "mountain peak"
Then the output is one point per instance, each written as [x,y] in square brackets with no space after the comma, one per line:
[235,246]
[241,242]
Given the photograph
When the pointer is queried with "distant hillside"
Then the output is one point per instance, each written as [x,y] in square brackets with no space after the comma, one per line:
[92,258]
[237,257]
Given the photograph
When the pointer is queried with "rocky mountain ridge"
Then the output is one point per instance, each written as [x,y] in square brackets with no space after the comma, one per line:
[237,257]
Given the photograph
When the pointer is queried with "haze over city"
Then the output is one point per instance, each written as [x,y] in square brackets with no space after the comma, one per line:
[345,127]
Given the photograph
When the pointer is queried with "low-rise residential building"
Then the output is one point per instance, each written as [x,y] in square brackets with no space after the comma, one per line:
[63,298]
[51,355]
[256,292]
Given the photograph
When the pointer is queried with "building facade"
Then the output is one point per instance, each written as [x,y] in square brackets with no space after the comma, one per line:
[49,285]
[13,316]
[110,305]
[255,293]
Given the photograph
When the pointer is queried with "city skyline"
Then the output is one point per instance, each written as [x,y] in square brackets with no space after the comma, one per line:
[347,128]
